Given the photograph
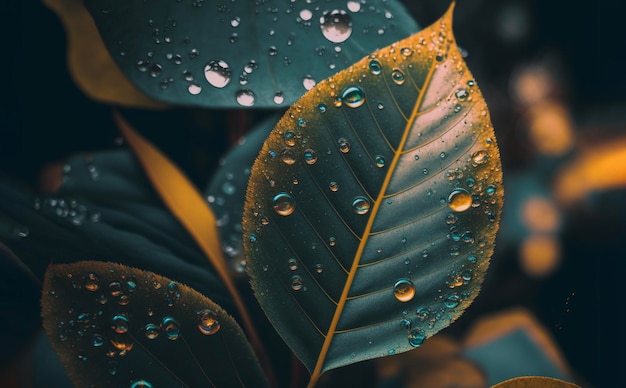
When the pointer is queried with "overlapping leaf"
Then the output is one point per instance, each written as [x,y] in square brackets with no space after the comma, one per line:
[113,325]
[242,53]
[372,208]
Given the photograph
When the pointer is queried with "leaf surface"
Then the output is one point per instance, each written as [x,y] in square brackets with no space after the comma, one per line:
[242,53]
[535,382]
[372,207]
[114,325]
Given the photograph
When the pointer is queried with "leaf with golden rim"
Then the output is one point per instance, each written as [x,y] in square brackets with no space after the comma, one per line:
[372,208]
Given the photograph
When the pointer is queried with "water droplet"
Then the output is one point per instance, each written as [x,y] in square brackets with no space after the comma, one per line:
[218,73]
[404,290]
[451,301]
[380,106]
[119,323]
[479,157]
[353,96]
[306,14]
[423,313]
[235,22]
[397,76]
[92,282]
[272,51]
[245,97]
[336,25]
[321,107]
[425,171]
[361,205]
[310,156]
[442,155]
[416,337]
[288,156]
[283,204]
[279,98]
[375,66]
[455,251]
[97,340]
[319,268]
[354,6]
[115,288]
[140,384]
[308,82]
[459,200]
[457,108]
[491,190]
[406,51]
[296,283]
[344,145]
[208,324]
[171,328]
[333,186]
[461,94]
[292,264]
[194,89]
[472,259]
[151,330]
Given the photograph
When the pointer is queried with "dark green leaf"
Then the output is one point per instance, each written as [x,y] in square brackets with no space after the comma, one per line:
[114,325]
[271,52]
[227,191]
[106,209]
[372,208]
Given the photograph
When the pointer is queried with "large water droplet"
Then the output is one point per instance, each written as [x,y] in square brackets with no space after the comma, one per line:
[336,25]
[92,282]
[245,97]
[310,156]
[217,73]
[479,157]
[375,66]
[404,290]
[208,324]
[283,204]
[151,330]
[416,337]
[115,288]
[451,301]
[119,323]
[344,145]
[171,328]
[308,82]
[361,205]
[461,94]
[140,384]
[460,200]
[397,76]
[288,156]
[353,96]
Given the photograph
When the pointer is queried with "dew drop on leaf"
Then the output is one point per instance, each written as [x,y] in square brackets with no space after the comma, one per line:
[278,98]
[451,301]
[296,283]
[333,186]
[423,313]
[288,156]
[380,161]
[194,89]
[208,324]
[336,25]
[344,145]
[375,66]
[115,288]
[308,82]
[459,200]
[397,76]
[292,264]
[283,204]
[151,330]
[245,97]
[310,156]
[97,340]
[92,282]
[416,337]
[119,324]
[461,94]
[353,96]
[354,6]
[217,73]
[404,290]
[479,157]
[361,205]
[171,328]
[140,384]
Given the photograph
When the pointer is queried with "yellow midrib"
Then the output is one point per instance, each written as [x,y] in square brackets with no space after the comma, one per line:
[317,371]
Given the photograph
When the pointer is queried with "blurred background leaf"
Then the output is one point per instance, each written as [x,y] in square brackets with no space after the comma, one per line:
[244,53]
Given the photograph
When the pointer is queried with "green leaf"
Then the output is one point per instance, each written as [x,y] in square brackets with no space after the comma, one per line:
[226,191]
[106,208]
[114,325]
[257,53]
[372,208]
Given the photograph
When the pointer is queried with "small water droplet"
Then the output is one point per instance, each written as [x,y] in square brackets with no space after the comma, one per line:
[151,330]
[397,76]
[288,156]
[296,283]
[92,282]
[404,290]
[442,155]
[171,328]
[306,14]
[292,264]
[375,66]
[283,204]
[479,157]
[423,313]
[245,97]
[308,82]
[97,340]
[333,186]
[461,94]
[235,22]
[321,107]
[218,73]
[491,190]
[353,96]
[208,322]
[336,25]
[115,288]
[459,200]
[278,98]
[361,205]
[319,268]
[416,337]
[194,89]
[140,384]
[354,6]
[119,323]
[451,301]
[272,51]
[310,156]
[406,51]
[344,145]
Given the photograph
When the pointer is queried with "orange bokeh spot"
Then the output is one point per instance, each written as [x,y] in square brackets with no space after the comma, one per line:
[540,255]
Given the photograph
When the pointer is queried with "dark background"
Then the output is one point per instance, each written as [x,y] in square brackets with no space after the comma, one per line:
[45,118]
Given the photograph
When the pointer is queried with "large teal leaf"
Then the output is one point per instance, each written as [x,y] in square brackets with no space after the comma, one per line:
[114,325]
[372,208]
[242,53]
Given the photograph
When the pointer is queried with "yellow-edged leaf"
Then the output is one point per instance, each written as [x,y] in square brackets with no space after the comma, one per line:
[372,207]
